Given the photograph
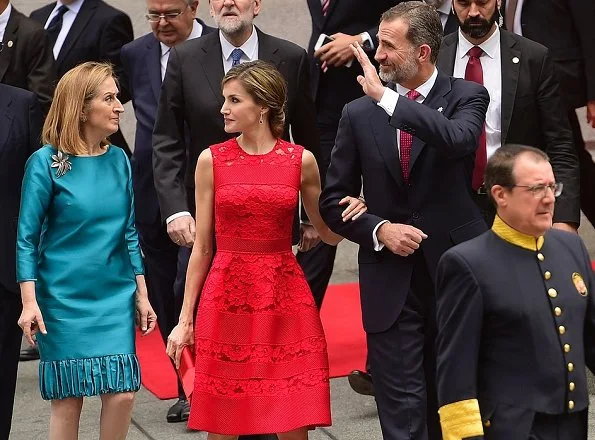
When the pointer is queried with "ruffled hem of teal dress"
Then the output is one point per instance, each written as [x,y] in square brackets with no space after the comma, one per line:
[116,373]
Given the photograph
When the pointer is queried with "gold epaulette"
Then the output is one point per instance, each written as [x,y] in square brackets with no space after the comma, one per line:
[460,420]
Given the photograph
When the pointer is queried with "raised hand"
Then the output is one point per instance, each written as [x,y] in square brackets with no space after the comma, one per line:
[370,81]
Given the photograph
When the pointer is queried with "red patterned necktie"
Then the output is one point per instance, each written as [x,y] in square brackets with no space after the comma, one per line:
[325,4]
[474,72]
[406,141]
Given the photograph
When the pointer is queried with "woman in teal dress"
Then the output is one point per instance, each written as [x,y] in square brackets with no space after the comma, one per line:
[79,263]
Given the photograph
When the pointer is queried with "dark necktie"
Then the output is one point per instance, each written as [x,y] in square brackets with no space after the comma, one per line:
[509,14]
[325,4]
[474,72]
[406,142]
[55,25]
[236,56]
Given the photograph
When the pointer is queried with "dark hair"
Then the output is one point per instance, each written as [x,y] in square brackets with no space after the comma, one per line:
[500,166]
[424,22]
[266,86]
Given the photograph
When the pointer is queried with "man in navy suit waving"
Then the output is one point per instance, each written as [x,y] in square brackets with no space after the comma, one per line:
[144,61]
[412,145]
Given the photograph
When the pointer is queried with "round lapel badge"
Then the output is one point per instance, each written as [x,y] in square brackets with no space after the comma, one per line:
[9,44]
[515,60]
[579,283]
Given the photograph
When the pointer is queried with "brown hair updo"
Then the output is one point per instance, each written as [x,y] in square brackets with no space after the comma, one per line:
[266,86]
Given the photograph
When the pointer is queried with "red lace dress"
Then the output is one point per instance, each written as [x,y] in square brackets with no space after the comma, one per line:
[261,359]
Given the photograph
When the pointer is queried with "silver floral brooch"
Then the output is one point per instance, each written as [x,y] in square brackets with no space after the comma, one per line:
[61,162]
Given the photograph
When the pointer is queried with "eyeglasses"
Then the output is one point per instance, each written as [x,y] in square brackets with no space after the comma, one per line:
[167,16]
[540,191]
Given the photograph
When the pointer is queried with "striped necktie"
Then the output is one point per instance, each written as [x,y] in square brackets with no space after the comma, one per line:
[325,4]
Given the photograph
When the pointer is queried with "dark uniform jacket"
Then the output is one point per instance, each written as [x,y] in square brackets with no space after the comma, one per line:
[516,326]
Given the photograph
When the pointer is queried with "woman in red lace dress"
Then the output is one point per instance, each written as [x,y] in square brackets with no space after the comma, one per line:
[261,360]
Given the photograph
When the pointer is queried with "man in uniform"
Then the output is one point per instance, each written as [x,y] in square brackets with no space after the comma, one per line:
[516,316]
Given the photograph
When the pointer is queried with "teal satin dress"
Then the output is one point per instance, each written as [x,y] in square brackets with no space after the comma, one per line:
[77,241]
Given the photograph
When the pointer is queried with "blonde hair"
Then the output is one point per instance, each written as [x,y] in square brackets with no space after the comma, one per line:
[266,86]
[63,127]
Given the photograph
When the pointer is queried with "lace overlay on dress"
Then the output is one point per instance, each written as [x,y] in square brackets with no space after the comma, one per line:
[259,343]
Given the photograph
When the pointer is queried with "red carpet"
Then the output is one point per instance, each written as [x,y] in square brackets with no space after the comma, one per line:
[341,318]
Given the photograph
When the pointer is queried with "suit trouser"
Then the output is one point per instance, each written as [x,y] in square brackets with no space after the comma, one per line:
[403,360]
[10,345]
[509,424]
[165,284]
[587,169]
[318,262]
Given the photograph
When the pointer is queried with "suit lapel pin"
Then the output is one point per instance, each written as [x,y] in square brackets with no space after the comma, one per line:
[440,109]
[515,60]
[10,43]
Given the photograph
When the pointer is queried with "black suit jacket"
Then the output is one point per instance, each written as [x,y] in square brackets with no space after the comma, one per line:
[191,97]
[566,28]
[141,62]
[26,60]
[437,199]
[97,34]
[498,336]
[350,17]
[531,111]
[20,129]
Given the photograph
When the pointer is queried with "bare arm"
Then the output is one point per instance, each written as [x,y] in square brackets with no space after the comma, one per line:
[310,189]
[202,254]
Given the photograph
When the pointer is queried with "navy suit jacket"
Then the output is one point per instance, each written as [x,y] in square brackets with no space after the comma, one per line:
[437,198]
[142,77]
[20,128]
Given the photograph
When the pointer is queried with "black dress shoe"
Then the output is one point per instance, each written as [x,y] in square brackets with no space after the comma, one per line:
[179,412]
[361,382]
[29,354]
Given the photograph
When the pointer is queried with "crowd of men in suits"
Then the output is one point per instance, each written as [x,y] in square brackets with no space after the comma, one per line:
[537,71]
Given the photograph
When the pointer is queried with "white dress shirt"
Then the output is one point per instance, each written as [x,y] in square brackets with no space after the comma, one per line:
[388,102]
[165,49]
[67,20]
[444,12]
[4,21]
[249,49]
[516,27]
[491,64]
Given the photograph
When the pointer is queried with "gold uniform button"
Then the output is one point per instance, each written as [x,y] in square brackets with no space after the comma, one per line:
[571,386]
[566,348]
[571,405]
[547,275]
[552,292]
[562,329]
[487,423]
[540,257]
[570,366]
[557,311]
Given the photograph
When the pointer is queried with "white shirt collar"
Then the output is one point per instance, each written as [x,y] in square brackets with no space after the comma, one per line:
[4,20]
[424,89]
[194,33]
[445,7]
[491,46]
[249,47]
[75,6]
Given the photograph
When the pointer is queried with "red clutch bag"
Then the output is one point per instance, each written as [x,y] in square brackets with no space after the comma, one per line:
[186,371]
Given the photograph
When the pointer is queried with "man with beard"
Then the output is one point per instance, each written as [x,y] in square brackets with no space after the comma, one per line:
[525,105]
[415,166]
[188,115]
